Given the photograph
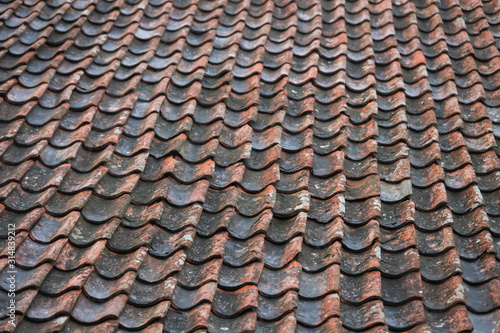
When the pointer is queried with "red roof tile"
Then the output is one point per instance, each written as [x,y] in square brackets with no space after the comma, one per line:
[250,165]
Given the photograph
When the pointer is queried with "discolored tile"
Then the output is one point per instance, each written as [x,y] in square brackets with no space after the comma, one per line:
[250,166]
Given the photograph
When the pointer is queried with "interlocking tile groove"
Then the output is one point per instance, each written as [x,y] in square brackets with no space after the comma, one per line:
[251,165]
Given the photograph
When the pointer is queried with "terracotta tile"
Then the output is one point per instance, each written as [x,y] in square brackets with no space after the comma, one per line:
[251,166]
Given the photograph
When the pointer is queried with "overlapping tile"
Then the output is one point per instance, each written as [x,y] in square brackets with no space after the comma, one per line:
[251,165]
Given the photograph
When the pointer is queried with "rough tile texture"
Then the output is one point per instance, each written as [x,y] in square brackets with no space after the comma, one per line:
[253,165]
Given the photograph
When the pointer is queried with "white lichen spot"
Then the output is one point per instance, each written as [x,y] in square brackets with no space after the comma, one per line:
[458,296]
[378,253]
[188,238]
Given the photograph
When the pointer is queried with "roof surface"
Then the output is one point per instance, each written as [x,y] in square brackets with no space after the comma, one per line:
[239,166]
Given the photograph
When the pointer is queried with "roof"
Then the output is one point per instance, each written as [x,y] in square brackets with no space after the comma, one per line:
[253,165]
